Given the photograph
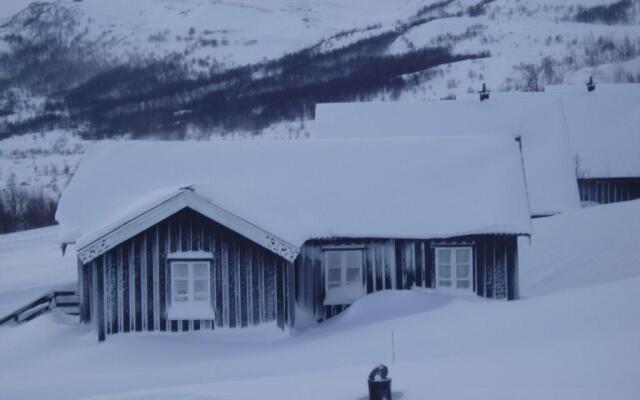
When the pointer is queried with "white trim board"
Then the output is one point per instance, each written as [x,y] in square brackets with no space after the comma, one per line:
[187,198]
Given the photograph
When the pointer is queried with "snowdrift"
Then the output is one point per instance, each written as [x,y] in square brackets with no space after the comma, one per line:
[581,248]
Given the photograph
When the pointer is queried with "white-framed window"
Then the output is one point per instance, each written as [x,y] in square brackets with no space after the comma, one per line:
[343,272]
[454,268]
[190,290]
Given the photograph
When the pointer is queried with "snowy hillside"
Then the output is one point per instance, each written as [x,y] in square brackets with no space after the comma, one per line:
[576,335]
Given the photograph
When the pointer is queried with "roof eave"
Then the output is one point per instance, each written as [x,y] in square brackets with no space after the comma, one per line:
[186,198]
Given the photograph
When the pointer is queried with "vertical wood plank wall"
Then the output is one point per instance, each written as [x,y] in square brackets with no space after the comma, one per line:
[609,190]
[128,288]
[403,264]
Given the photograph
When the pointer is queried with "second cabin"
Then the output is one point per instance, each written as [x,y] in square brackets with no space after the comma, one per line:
[201,236]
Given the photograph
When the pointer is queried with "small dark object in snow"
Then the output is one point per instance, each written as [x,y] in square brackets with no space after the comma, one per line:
[591,85]
[379,383]
[484,93]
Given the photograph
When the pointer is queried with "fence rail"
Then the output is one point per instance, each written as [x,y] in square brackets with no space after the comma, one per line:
[42,305]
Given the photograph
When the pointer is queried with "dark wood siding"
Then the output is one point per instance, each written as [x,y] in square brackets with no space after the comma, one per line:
[609,190]
[403,264]
[128,287]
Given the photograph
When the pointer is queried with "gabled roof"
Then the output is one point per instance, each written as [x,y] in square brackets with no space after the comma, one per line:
[293,191]
[548,164]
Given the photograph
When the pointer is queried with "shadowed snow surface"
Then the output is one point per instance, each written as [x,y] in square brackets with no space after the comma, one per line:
[582,341]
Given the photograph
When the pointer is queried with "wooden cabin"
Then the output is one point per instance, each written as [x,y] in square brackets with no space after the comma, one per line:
[176,237]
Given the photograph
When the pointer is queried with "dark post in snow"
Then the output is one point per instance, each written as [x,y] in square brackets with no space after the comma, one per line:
[591,85]
[379,383]
[484,93]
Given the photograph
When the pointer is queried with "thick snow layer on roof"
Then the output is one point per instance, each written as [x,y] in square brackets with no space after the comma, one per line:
[299,190]
[547,157]
[604,127]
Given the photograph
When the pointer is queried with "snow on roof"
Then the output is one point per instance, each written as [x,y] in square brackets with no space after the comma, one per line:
[547,158]
[299,190]
[604,127]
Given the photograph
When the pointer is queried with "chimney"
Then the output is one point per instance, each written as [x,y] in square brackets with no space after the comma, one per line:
[484,93]
[591,86]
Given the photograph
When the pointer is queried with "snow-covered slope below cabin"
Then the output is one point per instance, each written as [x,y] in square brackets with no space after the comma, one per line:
[581,248]
[581,342]
[31,264]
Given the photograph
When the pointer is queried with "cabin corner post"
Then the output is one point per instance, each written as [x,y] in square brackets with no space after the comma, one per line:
[80,291]
[514,269]
[291,293]
[84,292]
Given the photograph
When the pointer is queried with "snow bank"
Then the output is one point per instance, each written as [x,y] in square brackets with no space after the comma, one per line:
[548,164]
[388,304]
[581,248]
[299,190]
[31,264]
[577,344]
[580,342]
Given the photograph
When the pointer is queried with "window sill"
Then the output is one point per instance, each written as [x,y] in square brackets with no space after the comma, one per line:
[343,296]
[190,311]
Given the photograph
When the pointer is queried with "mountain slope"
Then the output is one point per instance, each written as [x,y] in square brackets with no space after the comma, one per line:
[243,66]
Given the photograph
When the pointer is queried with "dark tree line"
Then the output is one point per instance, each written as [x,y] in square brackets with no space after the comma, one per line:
[22,209]
[614,13]
[162,98]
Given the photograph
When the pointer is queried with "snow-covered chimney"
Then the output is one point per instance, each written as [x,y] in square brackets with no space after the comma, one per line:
[591,85]
[484,93]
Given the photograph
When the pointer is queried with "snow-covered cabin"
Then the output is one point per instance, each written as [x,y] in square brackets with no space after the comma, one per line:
[176,236]
[538,122]
[604,133]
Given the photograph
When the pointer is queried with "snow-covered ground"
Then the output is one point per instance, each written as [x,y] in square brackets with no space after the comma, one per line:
[31,265]
[575,335]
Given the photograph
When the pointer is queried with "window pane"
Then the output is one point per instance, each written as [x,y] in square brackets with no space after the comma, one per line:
[180,270]
[180,290]
[334,275]
[463,284]
[200,286]
[444,256]
[353,258]
[334,285]
[463,256]
[444,271]
[464,271]
[201,270]
[333,259]
[444,283]
[353,275]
